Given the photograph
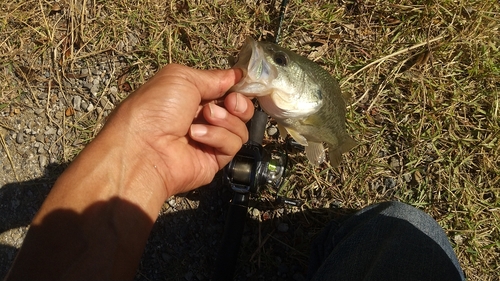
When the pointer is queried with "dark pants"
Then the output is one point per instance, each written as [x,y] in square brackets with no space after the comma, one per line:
[387,241]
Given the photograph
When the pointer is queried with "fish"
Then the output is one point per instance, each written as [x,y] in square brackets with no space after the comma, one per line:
[303,98]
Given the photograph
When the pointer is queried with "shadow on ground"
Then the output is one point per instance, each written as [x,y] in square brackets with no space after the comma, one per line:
[184,243]
[18,204]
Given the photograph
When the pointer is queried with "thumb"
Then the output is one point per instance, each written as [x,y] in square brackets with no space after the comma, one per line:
[211,84]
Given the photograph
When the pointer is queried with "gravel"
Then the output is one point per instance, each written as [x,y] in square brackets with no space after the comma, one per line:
[35,131]
[41,139]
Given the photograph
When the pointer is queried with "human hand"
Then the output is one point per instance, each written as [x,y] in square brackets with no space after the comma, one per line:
[166,138]
[172,126]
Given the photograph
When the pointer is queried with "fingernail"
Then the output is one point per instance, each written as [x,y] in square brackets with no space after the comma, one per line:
[241,103]
[198,130]
[217,111]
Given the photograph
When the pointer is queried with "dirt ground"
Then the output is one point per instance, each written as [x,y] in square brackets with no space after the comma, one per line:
[424,80]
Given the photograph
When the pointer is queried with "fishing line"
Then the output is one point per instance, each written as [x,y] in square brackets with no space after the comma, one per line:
[289,143]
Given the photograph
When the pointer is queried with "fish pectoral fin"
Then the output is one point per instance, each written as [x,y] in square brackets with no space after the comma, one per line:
[312,120]
[335,154]
[315,153]
[297,137]
[282,130]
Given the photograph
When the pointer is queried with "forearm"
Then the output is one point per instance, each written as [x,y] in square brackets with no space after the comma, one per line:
[96,220]
[164,139]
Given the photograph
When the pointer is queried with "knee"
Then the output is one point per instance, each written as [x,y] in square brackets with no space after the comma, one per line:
[408,213]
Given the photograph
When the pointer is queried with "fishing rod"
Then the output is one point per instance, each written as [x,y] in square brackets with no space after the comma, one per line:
[252,168]
[277,35]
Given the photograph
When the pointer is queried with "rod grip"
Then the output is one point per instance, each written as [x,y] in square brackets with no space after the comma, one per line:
[257,127]
[227,257]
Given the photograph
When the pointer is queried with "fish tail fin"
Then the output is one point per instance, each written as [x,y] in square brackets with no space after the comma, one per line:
[315,153]
[336,153]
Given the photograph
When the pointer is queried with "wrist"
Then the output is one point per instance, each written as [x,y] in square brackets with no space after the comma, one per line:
[113,165]
[131,168]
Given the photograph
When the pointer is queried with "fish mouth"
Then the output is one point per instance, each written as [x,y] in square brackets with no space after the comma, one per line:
[257,72]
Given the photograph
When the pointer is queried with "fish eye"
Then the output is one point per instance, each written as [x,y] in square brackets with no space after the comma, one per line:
[280,58]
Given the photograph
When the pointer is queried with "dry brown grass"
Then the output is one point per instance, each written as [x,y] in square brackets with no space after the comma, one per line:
[424,77]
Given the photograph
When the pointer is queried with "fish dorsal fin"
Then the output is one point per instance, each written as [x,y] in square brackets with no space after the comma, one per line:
[297,137]
[336,154]
[315,153]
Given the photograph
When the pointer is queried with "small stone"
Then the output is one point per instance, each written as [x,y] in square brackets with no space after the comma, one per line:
[90,107]
[132,39]
[43,96]
[94,90]
[104,102]
[20,138]
[43,161]
[39,111]
[50,131]
[172,202]
[255,213]
[84,105]
[113,90]
[272,131]
[407,177]
[40,138]
[84,71]
[394,163]
[112,99]
[459,239]
[389,183]
[96,81]
[67,84]
[88,85]
[283,227]
[336,204]
[120,46]
[59,115]
[77,103]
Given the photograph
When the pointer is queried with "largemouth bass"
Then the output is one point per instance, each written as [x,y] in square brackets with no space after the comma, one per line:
[303,98]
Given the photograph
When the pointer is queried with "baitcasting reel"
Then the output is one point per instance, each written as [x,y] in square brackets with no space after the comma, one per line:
[254,166]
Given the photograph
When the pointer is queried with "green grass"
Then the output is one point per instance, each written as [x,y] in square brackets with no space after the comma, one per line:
[426,118]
